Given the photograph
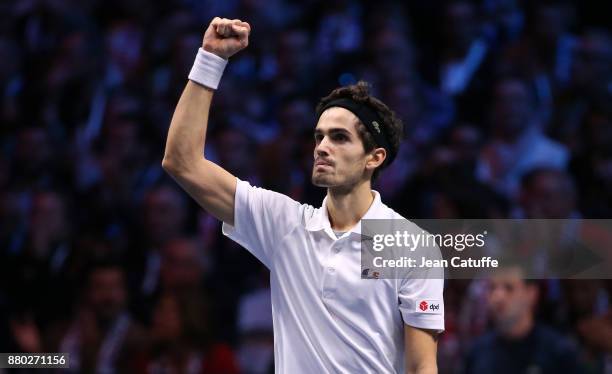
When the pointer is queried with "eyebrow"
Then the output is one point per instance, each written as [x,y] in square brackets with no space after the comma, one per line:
[333,130]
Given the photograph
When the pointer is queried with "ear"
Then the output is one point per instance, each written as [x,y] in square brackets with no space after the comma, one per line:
[375,158]
[534,294]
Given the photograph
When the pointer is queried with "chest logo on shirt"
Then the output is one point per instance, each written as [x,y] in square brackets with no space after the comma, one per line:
[367,274]
[428,306]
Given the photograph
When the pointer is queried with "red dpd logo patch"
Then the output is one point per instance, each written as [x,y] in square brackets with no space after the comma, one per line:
[423,305]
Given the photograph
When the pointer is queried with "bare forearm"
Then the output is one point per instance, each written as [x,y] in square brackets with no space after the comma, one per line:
[187,133]
[421,349]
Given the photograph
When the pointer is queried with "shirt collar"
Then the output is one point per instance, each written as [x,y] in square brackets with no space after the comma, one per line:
[320,218]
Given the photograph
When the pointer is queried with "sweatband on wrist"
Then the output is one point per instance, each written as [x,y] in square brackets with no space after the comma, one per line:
[207,69]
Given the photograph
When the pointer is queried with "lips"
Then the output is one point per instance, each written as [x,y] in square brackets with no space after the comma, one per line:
[320,162]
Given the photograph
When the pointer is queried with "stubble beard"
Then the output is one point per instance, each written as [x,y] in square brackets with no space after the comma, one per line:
[322,179]
[332,180]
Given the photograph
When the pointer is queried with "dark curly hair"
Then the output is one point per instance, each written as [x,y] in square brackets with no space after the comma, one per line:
[360,92]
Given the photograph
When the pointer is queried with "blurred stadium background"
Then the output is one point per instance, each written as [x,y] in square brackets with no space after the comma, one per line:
[507,106]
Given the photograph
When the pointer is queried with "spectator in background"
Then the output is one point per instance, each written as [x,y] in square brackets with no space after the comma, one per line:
[235,149]
[546,49]
[588,316]
[444,186]
[183,267]
[465,142]
[588,95]
[295,63]
[124,44]
[112,166]
[76,65]
[11,83]
[181,340]
[465,62]
[592,166]
[185,275]
[506,20]
[547,194]
[517,143]
[13,225]
[339,33]
[41,264]
[167,78]
[182,270]
[464,52]
[256,348]
[592,71]
[425,111]
[519,343]
[32,163]
[102,337]
[163,218]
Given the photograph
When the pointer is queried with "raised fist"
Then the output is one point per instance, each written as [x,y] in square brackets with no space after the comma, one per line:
[224,37]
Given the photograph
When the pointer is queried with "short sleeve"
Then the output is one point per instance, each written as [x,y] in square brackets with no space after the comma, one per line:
[421,303]
[261,219]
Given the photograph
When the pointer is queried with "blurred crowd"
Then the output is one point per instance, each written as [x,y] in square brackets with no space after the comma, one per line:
[507,107]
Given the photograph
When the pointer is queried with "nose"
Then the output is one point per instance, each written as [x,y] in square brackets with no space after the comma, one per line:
[496,295]
[322,149]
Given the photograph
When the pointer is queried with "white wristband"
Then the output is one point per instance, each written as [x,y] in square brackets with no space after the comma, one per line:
[207,69]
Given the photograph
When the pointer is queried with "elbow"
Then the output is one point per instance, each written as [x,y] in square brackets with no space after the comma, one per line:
[178,166]
[170,166]
[431,368]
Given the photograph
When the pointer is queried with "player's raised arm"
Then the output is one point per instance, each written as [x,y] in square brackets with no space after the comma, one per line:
[209,184]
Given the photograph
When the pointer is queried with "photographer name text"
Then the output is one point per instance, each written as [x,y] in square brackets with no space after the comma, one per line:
[424,262]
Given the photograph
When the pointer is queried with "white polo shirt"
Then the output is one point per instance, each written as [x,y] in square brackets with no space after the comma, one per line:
[327,319]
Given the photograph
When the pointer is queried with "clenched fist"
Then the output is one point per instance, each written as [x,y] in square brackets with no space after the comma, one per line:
[225,37]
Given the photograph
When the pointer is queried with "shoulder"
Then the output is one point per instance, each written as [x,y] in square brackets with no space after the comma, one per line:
[482,354]
[483,343]
[249,194]
[554,340]
[262,206]
[548,148]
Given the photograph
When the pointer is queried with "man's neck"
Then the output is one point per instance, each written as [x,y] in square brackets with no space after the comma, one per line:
[346,207]
[521,329]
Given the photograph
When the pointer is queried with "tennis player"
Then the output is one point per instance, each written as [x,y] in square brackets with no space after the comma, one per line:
[327,318]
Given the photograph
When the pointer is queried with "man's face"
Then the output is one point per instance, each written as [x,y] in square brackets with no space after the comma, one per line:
[164,214]
[512,108]
[593,58]
[339,157]
[181,267]
[462,26]
[48,214]
[509,298]
[550,195]
[107,294]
